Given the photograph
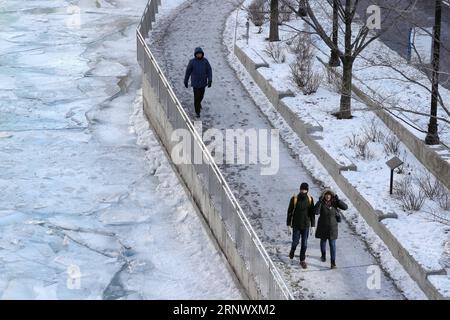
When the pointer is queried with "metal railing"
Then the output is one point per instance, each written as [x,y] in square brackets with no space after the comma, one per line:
[249,246]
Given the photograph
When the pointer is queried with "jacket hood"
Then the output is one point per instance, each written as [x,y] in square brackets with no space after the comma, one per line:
[198,50]
[322,196]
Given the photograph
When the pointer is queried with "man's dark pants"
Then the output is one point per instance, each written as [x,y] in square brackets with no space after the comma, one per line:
[296,235]
[199,93]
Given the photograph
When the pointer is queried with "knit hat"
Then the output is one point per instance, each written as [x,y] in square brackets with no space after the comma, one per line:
[304,186]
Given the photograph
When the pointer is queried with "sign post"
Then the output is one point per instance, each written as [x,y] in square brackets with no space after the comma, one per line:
[393,164]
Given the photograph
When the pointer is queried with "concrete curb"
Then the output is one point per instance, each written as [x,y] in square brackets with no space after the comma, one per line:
[371,216]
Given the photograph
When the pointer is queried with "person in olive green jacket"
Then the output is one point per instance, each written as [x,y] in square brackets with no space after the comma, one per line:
[300,218]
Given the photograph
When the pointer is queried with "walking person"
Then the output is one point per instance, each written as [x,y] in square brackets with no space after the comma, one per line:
[327,226]
[300,218]
[200,72]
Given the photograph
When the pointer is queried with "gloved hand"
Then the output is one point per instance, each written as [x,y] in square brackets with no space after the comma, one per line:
[312,230]
[289,231]
[186,85]
[209,84]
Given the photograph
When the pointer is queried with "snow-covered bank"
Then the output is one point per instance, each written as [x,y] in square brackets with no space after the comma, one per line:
[85,211]
[423,238]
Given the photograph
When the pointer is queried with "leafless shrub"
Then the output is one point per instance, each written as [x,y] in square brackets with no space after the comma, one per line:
[313,83]
[352,141]
[276,51]
[302,46]
[413,201]
[300,73]
[285,13]
[360,144]
[372,132]
[391,145]
[402,187]
[302,69]
[410,199]
[444,201]
[256,12]
[430,186]
[363,150]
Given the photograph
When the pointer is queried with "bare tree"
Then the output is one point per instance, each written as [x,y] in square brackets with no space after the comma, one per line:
[354,42]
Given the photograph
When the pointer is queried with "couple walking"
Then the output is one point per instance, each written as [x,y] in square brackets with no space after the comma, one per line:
[301,218]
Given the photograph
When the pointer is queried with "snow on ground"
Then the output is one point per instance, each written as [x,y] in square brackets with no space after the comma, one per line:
[422,237]
[228,105]
[86,212]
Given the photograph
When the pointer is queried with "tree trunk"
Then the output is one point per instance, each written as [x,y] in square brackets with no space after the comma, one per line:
[334,58]
[347,65]
[432,137]
[346,94]
[274,36]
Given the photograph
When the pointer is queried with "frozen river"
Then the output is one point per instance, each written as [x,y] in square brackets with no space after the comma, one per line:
[86,210]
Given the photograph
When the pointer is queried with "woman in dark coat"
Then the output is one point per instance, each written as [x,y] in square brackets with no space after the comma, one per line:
[327,226]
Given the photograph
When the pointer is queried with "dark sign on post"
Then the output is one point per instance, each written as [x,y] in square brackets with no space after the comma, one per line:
[393,164]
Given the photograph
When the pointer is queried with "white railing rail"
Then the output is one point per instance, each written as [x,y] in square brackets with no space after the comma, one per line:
[261,267]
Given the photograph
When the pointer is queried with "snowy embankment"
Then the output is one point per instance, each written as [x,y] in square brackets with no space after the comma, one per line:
[86,212]
[423,237]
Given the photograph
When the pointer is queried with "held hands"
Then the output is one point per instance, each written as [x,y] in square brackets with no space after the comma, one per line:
[209,84]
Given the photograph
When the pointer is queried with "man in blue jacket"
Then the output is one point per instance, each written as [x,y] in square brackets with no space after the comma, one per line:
[200,72]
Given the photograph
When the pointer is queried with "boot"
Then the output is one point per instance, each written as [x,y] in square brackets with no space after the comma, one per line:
[333,265]
[303,264]
[323,258]
[291,254]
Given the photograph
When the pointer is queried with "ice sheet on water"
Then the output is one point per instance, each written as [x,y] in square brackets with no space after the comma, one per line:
[79,199]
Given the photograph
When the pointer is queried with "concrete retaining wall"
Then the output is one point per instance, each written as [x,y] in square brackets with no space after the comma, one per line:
[372,217]
[158,119]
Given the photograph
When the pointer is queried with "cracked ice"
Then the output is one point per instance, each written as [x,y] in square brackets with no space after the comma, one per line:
[75,187]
